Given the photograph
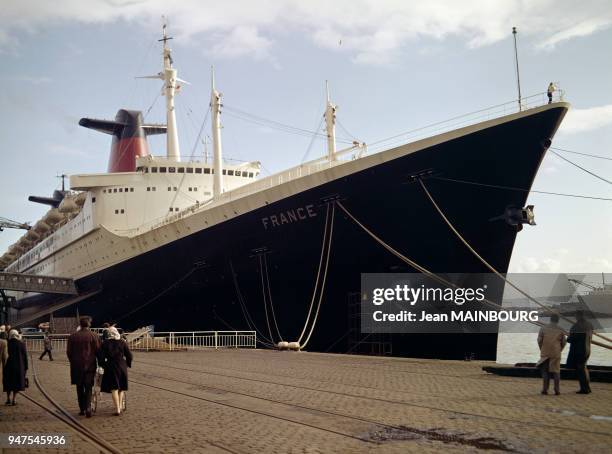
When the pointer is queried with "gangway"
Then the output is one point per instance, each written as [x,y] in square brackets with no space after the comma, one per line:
[38,284]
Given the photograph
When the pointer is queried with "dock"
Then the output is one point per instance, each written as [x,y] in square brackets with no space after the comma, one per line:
[264,401]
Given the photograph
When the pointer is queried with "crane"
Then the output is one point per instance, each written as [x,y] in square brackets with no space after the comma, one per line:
[8,224]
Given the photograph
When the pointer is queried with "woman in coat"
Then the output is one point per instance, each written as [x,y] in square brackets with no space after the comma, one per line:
[115,358]
[14,372]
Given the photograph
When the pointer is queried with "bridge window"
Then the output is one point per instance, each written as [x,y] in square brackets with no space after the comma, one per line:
[175,188]
[250,174]
[153,169]
[206,170]
[238,173]
[189,169]
[198,170]
[169,188]
[224,172]
[171,169]
[131,189]
[162,170]
[122,211]
[230,172]
[180,169]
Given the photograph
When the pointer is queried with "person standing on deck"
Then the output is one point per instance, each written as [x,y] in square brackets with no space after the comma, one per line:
[550,91]
[551,341]
[82,349]
[47,348]
[580,336]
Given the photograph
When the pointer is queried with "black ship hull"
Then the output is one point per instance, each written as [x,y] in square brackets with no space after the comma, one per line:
[212,279]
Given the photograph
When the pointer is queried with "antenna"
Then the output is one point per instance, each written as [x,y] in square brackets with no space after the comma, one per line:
[63,177]
[518,77]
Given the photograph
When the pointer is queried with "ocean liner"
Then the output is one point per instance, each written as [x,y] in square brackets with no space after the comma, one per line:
[192,245]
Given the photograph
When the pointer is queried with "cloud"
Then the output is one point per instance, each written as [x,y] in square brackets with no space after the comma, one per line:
[581,120]
[371,31]
[243,40]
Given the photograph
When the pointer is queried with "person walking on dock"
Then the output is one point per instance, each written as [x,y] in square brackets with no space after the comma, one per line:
[47,348]
[15,368]
[82,350]
[551,89]
[579,339]
[115,358]
[551,341]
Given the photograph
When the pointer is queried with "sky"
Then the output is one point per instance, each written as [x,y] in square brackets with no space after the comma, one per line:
[392,66]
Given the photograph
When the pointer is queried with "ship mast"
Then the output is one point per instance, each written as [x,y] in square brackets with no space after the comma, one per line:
[215,106]
[330,126]
[169,77]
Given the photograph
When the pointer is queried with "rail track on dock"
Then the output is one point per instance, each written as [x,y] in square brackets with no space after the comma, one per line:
[344,394]
[61,414]
[400,430]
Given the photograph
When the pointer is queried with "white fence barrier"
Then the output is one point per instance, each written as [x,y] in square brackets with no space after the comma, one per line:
[162,341]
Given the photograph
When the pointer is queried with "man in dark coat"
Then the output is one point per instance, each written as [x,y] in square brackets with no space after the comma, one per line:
[14,372]
[579,339]
[82,349]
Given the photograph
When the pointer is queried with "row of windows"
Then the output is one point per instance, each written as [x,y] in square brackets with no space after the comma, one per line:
[118,190]
[207,170]
[120,211]
[173,209]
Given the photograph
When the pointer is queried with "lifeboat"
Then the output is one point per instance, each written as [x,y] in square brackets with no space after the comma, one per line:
[80,199]
[68,205]
[42,227]
[53,216]
[32,235]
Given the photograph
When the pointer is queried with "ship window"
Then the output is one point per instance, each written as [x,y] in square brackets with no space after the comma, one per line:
[154,188]
[122,211]
[169,188]
[171,209]
[224,172]
[162,170]
[120,189]
[180,169]
[176,209]
[148,189]
[195,189]
[131,189]
[189,169]
[230,172]
[238,173]
[198,170]
[190,189]
[206,170]
[114,189]
[126,190]
[104,191]
[116,211]
[171,169]
[175,188]
[93,200]
[153,169]
[250,174]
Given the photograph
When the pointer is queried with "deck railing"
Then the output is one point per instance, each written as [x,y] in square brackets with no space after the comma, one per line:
[161,341]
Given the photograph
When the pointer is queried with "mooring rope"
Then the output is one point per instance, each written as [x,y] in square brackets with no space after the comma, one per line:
[493,270]
[431,274]
[263,292]
[314,293]
[329,244]
[245,312]
[265,260]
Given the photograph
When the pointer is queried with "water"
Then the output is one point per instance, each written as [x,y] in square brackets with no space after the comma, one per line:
[523,348]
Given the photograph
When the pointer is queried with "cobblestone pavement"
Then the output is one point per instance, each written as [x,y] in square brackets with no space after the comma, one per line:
[259,401]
